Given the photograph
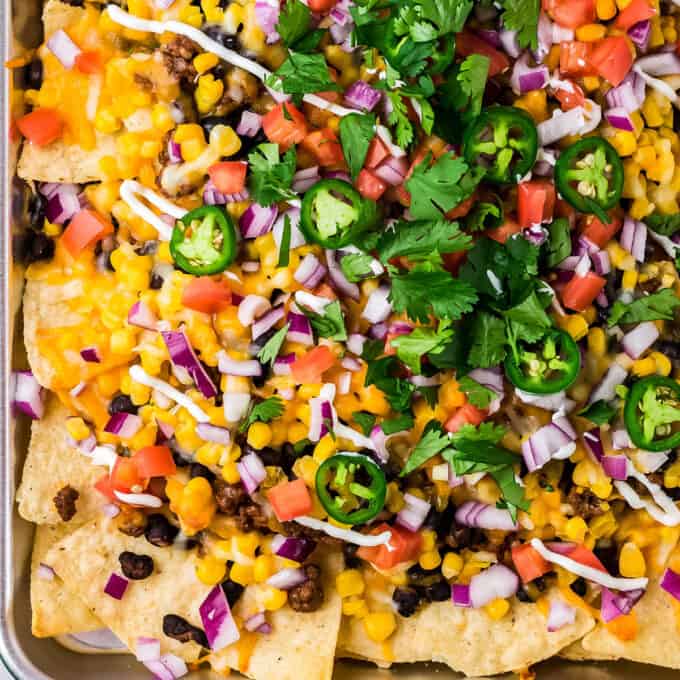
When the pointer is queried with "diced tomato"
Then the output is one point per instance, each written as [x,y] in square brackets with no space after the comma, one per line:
[370,186]
[89,62]
[634,12]
[377,153]
[325,146]
[207,295]
[125,475]
[310,367]
[505,231]
[229,177]
[570,99]
[453,261]
[598,232]
[404,546]
[105,487]
[290,500]
[579,553]
[466,414]
[154,461]
[535,202]
[624,627]
[285,125]
[84,230]
[612,59]
[580,291]
[468,43]
[41,126]
[570,13]
[321,6]
[575,58]
[529,563]
[463,208]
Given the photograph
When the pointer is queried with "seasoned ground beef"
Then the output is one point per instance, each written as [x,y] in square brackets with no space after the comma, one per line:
[65,502]
[178,628]
[251,516]
[298,531]
[178,58]
[308,596]
[135,567]
[229,497]
[586,504]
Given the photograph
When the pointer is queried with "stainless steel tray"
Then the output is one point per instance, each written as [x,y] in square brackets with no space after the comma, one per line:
[24,656]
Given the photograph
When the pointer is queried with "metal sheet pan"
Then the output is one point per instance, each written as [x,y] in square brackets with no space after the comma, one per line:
[24,656]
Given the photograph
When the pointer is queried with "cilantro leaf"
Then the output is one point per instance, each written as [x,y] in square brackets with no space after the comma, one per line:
[357,267]
[422,293]
[271,177]
[413,346]
[558,245]
[599,412]
[488,340]
[423,239]
[398,119]
[272,347]
[365,421]
[441,187]
[294,27]
[302,74]
[398,391]
[356,132]
[484,432]
[448,16]
[433,441]
[269,409]
[522,16]
[666,225]
[477,394]
[529,318]
[485,215]
[659,305]
[402,422]
[330,324]
[284,248]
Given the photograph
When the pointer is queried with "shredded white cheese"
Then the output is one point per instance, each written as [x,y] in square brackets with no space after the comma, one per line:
[657,84]
[145,499]
[368,540]
[129,190]
[138,374]
[665,511]
[589,573]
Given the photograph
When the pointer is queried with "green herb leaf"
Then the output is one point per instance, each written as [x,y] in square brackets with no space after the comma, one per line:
[357,267]
[294,26]
[599,412]
[265,411]
[284,248]
[477,394]
[302,74]
[271,177]
[398,391]
[659,305]
[412,347]
[558,245]
[272,347]
[440,188]
[356,132]
[398,119]
[433,442]
[330,324]
[666,225]
[488,340]
[398,424]
[485,216]
[365,421]
[522,16]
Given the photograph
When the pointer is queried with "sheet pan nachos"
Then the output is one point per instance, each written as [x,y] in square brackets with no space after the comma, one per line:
[353,331]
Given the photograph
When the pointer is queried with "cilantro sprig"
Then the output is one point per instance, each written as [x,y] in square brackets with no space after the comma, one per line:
[265,411]
[271,176]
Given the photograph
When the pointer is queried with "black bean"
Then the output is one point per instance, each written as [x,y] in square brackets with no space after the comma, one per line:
[349,551]
[423,577]
[608,555]
[159,531]
[523,596]
[437,592]
[156,282]
[135,567]
[122,403]
[407,601]
[540,584]
[38,247]
[579,586]
[148,248]
[231,42]
[177,628]
[37,205]
[232,590]
[33,74]
[198,470]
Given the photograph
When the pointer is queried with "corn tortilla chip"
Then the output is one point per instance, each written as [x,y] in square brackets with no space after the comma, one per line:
[55,610]
[467,640]
[51,463]
[59,162]
[575,652]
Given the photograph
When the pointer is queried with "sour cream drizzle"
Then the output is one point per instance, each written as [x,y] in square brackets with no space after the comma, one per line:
[595,575]
[348,535]
[129,190]
[210,45]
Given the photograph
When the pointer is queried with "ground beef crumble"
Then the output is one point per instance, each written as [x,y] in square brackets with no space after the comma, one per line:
[178,58]
[585,503]
[308,596]
[65,502]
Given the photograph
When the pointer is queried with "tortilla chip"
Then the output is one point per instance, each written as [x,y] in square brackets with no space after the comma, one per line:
[59,162]
[298,640]
[55,611]
[658,638]
[467,640]
[51,463]
[86,559]
[576,652]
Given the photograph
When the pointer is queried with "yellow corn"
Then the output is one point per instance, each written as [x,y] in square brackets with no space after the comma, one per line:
[644,367]
[161,118]
[624,142]
[497,609]
[349,583]
[620,257]
[380,625]
[629,280]
[576,326]
[606,9]
[452,565]
[631,561]
[263,568]
[242,574]
[663,363]
[575,529]
[597,342]
[671,476]
[77,428]
[259,435]
[274,599]
[106,121]
[306,468]
[591,32]
[205,61]
[326,447]
[430,559]
[210,570]
[355,606]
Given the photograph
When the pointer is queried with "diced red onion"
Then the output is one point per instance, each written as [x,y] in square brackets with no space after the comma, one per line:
[27,394]
[297,239]
[252,307]
[355,343]
[213,433]
[266,321]
[460,595]
[115,587]
[483,516]
[615,466]
[606,389]
[63,48]
[660,64]
[555,440]
[299,329]
[413,514]
[287,579]
[640,339]
[569,263]
[211,196]
[45,572]
[378,307]
[282,364]
[267,15]
[220,627]
[140,315]
[618,604]
[526,78]
[360,95]
[351,364]
[91,355]
[78,389]
[182,354]
[110,510]
[392,170]
[510,43]
[561,124]
[378,331]
[560,614]
[252,471]
[305,179]
[593,440]
[124,425]
[621,440]
[174,152]
[249,125]
[296,549]
[255,622]
[344,382]
[338,278]
[249,369]
[310,271]
[601,262]
[257,220]
[250,266]
[582,266]
[640,33]
[340,33]
[148,649]
[338,174]
[236,406]
[545,37]
[670,582]
[492,583]
[63,202]
[619,118]
[386,138]
[634,238]
[490,36]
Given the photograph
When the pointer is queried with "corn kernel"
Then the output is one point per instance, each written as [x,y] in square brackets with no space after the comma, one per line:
[429,541]
[242,574]
[606,9]
[208,93]
[349,582]
[122,341]
[106,122]
[497,609]
[663,363]
[576,326]
[77,428]
[624,142]
[631,561]
[644,367]
[205,61]
[629,280]
[274,599]
[259,435]
[326,447]
[355,606]
[430,559]
[210,570]
[452,565]
[575,529]
[591,32]
[247,544]
[380,625]
[597,342]
[263,568]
